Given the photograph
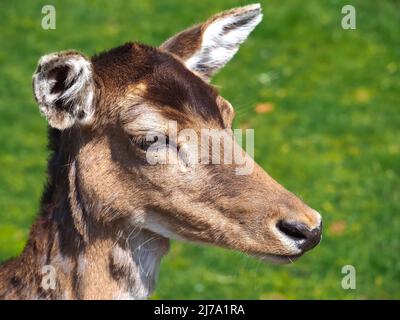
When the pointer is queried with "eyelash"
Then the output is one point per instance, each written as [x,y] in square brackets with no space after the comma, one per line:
[142,143]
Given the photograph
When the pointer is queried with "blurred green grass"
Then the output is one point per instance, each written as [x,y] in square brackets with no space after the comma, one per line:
[332,137]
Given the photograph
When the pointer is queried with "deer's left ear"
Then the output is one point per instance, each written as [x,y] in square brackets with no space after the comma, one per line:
[207,47]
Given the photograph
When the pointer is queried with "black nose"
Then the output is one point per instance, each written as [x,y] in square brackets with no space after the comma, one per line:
[299,231]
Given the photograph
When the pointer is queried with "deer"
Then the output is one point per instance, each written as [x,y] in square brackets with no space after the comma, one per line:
[106,215]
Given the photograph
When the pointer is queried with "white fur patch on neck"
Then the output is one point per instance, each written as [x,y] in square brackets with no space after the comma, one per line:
[222,38]
[141,261]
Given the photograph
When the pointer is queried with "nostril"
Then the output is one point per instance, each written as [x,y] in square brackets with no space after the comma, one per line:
[294,230]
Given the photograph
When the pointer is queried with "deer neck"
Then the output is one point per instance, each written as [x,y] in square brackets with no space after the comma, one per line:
[70,255]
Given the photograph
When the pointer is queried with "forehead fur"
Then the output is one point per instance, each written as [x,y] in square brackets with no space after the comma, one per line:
[167,82]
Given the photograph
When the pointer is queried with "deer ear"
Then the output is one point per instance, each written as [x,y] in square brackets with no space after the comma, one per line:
[207,47]
[63,87]
[227,111]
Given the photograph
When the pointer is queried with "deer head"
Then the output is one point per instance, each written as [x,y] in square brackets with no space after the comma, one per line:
[104,108]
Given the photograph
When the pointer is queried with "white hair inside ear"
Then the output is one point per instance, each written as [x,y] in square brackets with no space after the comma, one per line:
[222,37]
[63,87]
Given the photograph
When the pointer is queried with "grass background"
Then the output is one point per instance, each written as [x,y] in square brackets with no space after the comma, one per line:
[328,131]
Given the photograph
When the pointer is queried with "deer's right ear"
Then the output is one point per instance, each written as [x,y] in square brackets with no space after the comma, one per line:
[64,88]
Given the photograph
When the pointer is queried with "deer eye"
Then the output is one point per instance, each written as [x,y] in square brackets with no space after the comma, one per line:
[143,142]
